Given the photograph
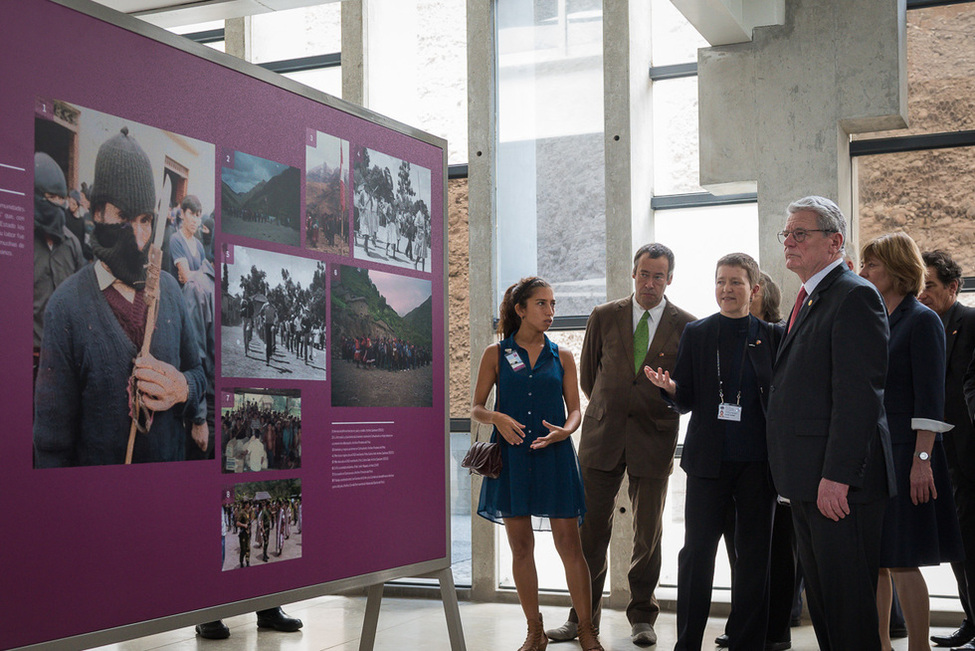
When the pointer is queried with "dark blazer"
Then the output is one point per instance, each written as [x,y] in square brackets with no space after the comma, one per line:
[960,388]
[826,414]
[626,418]
[915,388]
[695,373]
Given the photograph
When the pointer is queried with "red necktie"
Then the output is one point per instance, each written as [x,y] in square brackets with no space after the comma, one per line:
[795,310]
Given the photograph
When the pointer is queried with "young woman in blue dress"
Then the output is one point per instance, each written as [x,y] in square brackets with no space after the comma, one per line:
[536,410]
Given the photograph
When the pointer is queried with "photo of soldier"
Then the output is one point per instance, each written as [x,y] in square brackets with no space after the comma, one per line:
[391,210]
[261,199]
[92,383]
[261,523]
[272,330]
[382,339]
[261,427]
[326,194]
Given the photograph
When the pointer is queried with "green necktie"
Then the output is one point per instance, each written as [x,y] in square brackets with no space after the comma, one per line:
[641,340]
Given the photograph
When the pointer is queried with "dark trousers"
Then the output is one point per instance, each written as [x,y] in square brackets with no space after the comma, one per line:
[748,488]
[841,562]
[647,495]
[963,490]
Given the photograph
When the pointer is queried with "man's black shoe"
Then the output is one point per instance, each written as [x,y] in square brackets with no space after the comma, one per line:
[964,633]
[778,646]
[213,630]
[278,620]
[722,641]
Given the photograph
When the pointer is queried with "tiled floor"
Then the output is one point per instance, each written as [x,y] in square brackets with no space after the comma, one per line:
[334,623]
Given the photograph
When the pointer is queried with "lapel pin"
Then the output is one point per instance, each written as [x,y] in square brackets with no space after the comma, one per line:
[758,342]
[810,302]
[955,332]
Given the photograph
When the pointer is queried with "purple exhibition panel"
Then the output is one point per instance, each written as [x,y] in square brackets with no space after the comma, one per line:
[293,313]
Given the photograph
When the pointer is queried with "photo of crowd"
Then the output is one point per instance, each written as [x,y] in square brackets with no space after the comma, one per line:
[272,330]
[326,194]
[382,339]
[260,198]
[261,430]
[391,210]
[123,291]
[260,523]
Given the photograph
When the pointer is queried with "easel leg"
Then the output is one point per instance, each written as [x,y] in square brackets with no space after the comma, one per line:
[371,619]
[448,594]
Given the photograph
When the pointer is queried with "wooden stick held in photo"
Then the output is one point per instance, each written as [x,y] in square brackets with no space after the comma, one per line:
[153,269]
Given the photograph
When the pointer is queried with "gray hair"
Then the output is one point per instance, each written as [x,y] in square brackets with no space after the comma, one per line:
[829,217]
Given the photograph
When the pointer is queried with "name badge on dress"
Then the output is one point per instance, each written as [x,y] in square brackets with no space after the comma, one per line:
[728,411]
[514,359]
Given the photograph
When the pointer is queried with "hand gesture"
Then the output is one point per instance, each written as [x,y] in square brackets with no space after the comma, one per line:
[555,434]
[510,430]
[661,378]
[201,435]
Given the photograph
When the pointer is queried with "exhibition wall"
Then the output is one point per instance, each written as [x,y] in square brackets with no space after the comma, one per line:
[295,387]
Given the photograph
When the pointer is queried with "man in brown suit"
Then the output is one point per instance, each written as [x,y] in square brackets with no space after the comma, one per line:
[629,429]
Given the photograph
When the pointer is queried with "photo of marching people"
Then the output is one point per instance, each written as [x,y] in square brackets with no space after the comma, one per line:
[326,180]
[260,198]
[123,291]
[272,309]
[382,339]
[260,523]
[261,430]
[391,216]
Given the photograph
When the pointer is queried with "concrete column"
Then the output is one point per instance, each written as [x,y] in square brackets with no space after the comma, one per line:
[353,53]
[628,113]
[482,139]
[776,113]
[237,37]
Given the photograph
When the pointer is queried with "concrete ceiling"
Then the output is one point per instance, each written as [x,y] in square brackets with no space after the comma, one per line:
[174,13]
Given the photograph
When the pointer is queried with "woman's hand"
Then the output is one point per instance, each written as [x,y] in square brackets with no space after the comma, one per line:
[661,378]
[922,482]
[511,430]
[555,434]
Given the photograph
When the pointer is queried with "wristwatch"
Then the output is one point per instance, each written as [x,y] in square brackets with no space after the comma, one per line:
[922,455]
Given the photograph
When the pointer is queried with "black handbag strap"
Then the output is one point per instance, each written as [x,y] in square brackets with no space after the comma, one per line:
[497,385]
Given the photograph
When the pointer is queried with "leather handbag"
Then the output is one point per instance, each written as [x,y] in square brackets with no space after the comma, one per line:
[484,458]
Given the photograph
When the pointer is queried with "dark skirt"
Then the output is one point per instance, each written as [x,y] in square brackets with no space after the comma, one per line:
[922,534]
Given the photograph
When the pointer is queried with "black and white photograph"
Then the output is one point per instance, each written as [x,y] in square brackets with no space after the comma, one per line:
[272,312]
[123,290]
[326,194]
[261,429]
[382,338]
[391,210]
[260,523]
[260,198]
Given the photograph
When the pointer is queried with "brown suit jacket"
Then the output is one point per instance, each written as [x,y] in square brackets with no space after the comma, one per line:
[627,420]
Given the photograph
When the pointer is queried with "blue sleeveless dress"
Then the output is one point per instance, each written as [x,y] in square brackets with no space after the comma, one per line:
[545,483]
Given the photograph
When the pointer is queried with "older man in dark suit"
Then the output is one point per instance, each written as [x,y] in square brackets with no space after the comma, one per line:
[629,429]
[942,282]
[829,447]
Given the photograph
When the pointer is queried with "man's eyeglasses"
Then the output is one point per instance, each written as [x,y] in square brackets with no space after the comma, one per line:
[800,234]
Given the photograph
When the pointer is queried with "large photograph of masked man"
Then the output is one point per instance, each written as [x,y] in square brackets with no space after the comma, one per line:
[143,194]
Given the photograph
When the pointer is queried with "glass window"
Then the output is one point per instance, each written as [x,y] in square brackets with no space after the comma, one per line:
[458,307]
[674,39]
[926,194]
[698,237]
[550,178]
[417,67]
[327,80]
[198,27]
[296,33]
[940,70]
[460,510]
[676,162]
